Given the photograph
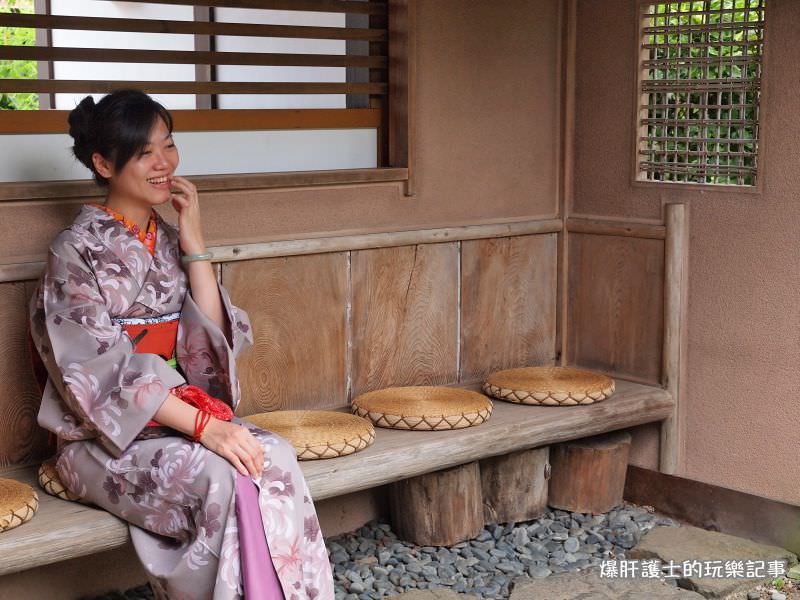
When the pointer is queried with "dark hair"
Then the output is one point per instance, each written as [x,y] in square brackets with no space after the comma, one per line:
[117,127]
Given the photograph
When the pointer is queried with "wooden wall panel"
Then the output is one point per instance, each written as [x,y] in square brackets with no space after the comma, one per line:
[508,303]
[297,308]
[405,316]
[616,304]
[22,441]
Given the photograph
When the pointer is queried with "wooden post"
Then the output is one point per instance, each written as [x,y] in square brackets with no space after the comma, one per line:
[588,475]
[438,509]
[514,485]
[676,274]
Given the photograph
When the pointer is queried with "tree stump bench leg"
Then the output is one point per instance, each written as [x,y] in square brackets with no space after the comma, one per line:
[588,475]
[515,486]
[438,509]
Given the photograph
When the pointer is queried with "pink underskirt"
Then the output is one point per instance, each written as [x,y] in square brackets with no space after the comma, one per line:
[260,578]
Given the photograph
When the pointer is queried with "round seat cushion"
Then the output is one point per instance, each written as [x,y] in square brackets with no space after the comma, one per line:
[317,433]
[18,503]
[553,386]
[51,482]
[423,408]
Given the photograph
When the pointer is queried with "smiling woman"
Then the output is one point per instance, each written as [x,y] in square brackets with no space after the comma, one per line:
[140,344]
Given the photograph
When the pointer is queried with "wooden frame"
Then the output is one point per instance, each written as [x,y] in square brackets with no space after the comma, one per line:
[76,190]
[639,130]
[390,112]
[31,270]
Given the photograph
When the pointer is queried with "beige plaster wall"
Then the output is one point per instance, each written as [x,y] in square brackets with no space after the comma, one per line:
[486,142]
[740,417]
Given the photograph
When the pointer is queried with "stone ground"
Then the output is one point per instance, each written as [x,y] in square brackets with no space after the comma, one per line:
[554,557]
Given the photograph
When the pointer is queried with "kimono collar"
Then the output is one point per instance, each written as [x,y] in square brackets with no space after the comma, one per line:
[147,237]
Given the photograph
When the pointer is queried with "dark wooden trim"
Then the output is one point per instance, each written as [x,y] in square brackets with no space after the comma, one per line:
[620,228]
[335,6]
[402,87]
[716,508]
[44,67]
[200,56]
[234,119]
[203,70]
[189,27]
[190,87]
[52,190]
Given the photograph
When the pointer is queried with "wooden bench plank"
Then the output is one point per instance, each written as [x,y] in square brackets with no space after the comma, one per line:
[62,530]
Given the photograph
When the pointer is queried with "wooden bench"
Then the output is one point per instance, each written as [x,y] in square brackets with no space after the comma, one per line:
[62,530]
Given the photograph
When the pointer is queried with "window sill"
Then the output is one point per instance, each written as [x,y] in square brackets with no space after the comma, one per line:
[50,190]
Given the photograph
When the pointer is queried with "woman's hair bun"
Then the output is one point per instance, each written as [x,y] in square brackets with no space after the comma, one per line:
[80,121]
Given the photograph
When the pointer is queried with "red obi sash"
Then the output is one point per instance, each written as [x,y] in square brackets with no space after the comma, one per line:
[159,335]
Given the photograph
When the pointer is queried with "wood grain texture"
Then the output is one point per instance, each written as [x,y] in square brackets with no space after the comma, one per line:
[68,529]
[616,307]
[588,475]
[404,313]
[297,309]
[676,276]
[438,509]
[508,304]
[22,441]
[514,485]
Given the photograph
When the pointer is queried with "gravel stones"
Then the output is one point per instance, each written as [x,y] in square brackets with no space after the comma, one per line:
[373,563]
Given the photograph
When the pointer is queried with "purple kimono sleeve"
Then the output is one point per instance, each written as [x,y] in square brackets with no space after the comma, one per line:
[91,361]
[206,354]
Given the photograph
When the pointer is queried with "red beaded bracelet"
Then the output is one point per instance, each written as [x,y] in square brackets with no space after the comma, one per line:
[201,419]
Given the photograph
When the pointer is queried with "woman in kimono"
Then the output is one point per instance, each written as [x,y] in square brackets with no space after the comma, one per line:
[139,342]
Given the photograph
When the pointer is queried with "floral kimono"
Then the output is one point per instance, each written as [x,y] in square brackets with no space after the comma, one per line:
[178,497]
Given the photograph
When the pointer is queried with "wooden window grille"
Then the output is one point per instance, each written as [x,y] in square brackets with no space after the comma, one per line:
[700,82]
[368,28]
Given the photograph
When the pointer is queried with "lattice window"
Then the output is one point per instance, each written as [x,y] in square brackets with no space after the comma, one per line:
[700,83]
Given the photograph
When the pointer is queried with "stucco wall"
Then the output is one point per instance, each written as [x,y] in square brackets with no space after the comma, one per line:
[740,414]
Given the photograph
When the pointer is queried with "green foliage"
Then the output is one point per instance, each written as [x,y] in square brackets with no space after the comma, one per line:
[18,69]
[705,134]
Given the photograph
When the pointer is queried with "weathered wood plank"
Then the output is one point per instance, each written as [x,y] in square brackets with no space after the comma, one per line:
[616,304]
[508,303]
[399,454]
[404,312]
[675,315]
[438,509]
[32,267]
[297,309]
[514,485]
[69,529]
[21,439]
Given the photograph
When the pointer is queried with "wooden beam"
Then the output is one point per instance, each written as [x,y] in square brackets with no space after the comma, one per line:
[676,274]
[70,530]
[188,87]
[201,56]
[716,508]
[229,119]
[620,228]
[32,270]
[37,21]
[402,86]
[48,191]
[335,6]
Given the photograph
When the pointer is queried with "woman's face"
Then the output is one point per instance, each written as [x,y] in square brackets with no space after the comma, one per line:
[143,179]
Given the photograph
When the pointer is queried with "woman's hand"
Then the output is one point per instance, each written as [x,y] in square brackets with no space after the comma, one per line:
[186,202]
[236,444]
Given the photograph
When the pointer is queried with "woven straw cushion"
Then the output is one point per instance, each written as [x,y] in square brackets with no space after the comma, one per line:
[423,408]
[51,483]
[18,503]
[554,386]
[318,433]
